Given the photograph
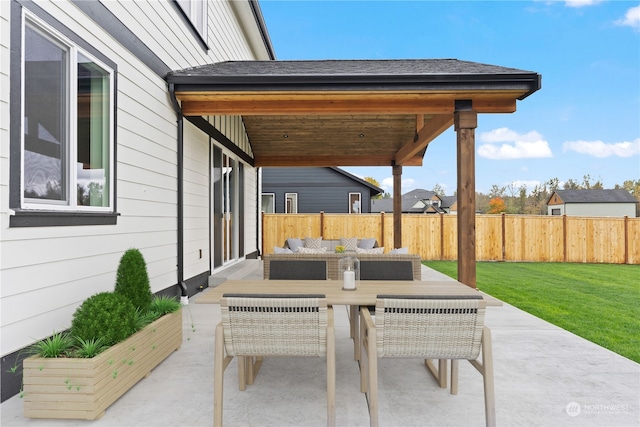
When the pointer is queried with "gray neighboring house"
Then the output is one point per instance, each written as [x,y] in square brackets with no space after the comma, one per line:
[311,190]
[592,203]
[418,202]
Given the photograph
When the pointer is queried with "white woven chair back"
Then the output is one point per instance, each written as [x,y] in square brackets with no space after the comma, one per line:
[274,325]
[448,328]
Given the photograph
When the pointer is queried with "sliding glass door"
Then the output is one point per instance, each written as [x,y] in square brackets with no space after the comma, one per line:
[226,175]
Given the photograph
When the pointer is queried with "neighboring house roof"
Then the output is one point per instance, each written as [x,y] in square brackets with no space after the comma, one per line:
[373,188]
[593,196]
[414,201]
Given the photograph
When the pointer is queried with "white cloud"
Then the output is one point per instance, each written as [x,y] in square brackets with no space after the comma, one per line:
[406,183]
[581,3]
[602,149]
[631,18]
[516,146]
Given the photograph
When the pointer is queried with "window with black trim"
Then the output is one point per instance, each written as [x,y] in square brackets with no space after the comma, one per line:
[196,11]
[67,150]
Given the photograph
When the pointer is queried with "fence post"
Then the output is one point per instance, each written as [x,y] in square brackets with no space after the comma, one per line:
[626,239]
[564,237]
[382,229]
[441,236]
[504,240]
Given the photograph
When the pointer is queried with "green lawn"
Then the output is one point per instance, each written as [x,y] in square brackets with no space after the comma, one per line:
[599,302]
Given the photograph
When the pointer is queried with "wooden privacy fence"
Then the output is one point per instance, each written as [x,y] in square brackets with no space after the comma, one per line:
[538,238]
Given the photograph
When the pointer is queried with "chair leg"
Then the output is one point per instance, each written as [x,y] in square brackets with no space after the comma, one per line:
[242,372]
[439,374]
[487,375]
[364,357]
[454,376]
[356,331]
[218,376]
[331,374]
[372,377]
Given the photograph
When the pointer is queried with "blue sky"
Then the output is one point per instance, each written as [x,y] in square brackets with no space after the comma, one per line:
[584,121]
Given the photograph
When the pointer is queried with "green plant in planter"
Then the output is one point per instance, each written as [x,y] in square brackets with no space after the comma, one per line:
[56,345]
[107,315]
[132,279]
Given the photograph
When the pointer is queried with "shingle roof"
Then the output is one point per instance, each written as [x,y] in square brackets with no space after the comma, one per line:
[389,74]
[595,196]
[409,200]
[385,67]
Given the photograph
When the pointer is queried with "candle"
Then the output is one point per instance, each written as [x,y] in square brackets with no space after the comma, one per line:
[349,279]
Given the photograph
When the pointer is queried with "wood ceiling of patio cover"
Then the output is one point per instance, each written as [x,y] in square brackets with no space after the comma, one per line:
[347,112]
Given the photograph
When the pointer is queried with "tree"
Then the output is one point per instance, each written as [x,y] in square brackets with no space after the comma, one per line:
[439,190]
[496,191]
[496,206]
[373,181]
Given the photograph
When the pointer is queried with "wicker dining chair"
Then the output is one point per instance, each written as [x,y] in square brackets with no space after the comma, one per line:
[442,327]
[254,326]
[376,270]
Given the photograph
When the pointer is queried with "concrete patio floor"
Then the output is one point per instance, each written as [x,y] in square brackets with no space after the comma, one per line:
[544,376]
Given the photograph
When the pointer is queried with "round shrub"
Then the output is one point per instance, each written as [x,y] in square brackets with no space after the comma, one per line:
[132,279]
[106,315]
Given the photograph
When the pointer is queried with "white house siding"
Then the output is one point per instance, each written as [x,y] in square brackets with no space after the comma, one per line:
[196,201]
[600,209]
[46,272]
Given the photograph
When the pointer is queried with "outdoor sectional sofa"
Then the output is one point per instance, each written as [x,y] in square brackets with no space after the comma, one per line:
[333,259]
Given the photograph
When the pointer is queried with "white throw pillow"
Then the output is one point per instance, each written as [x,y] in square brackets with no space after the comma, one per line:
[312,251]
[294,244]
[399,251]
[313,243]
[349,243]
[374,251]
[366,243]
[279,250]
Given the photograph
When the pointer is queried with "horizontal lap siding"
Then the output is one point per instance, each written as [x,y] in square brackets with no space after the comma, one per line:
[46,272]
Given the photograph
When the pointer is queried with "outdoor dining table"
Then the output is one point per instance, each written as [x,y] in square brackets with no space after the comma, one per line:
[366,291]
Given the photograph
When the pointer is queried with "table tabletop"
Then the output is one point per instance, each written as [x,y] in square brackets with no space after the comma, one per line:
[364,294]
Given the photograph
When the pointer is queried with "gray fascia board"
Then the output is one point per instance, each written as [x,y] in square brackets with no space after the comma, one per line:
[195,82]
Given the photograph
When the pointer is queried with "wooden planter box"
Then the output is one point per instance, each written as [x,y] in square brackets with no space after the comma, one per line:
[84,388]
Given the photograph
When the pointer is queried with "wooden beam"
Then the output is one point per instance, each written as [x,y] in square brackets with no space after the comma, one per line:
[202,105]
[263,108]
[328,160]
[430,131]
[465,124]
[397,206]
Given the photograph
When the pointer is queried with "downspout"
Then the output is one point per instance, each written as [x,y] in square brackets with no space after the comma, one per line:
[184,296]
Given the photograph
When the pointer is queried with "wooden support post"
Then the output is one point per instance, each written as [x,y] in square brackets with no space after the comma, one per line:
[465,122]
[397,206]
[382,229]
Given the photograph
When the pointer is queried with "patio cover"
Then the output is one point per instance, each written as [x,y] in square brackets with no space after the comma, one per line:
[359,113]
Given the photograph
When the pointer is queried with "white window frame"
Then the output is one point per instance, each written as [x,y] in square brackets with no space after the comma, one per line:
[353,199]
[293,197]
[273,202]
[197,12]
[71,142]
